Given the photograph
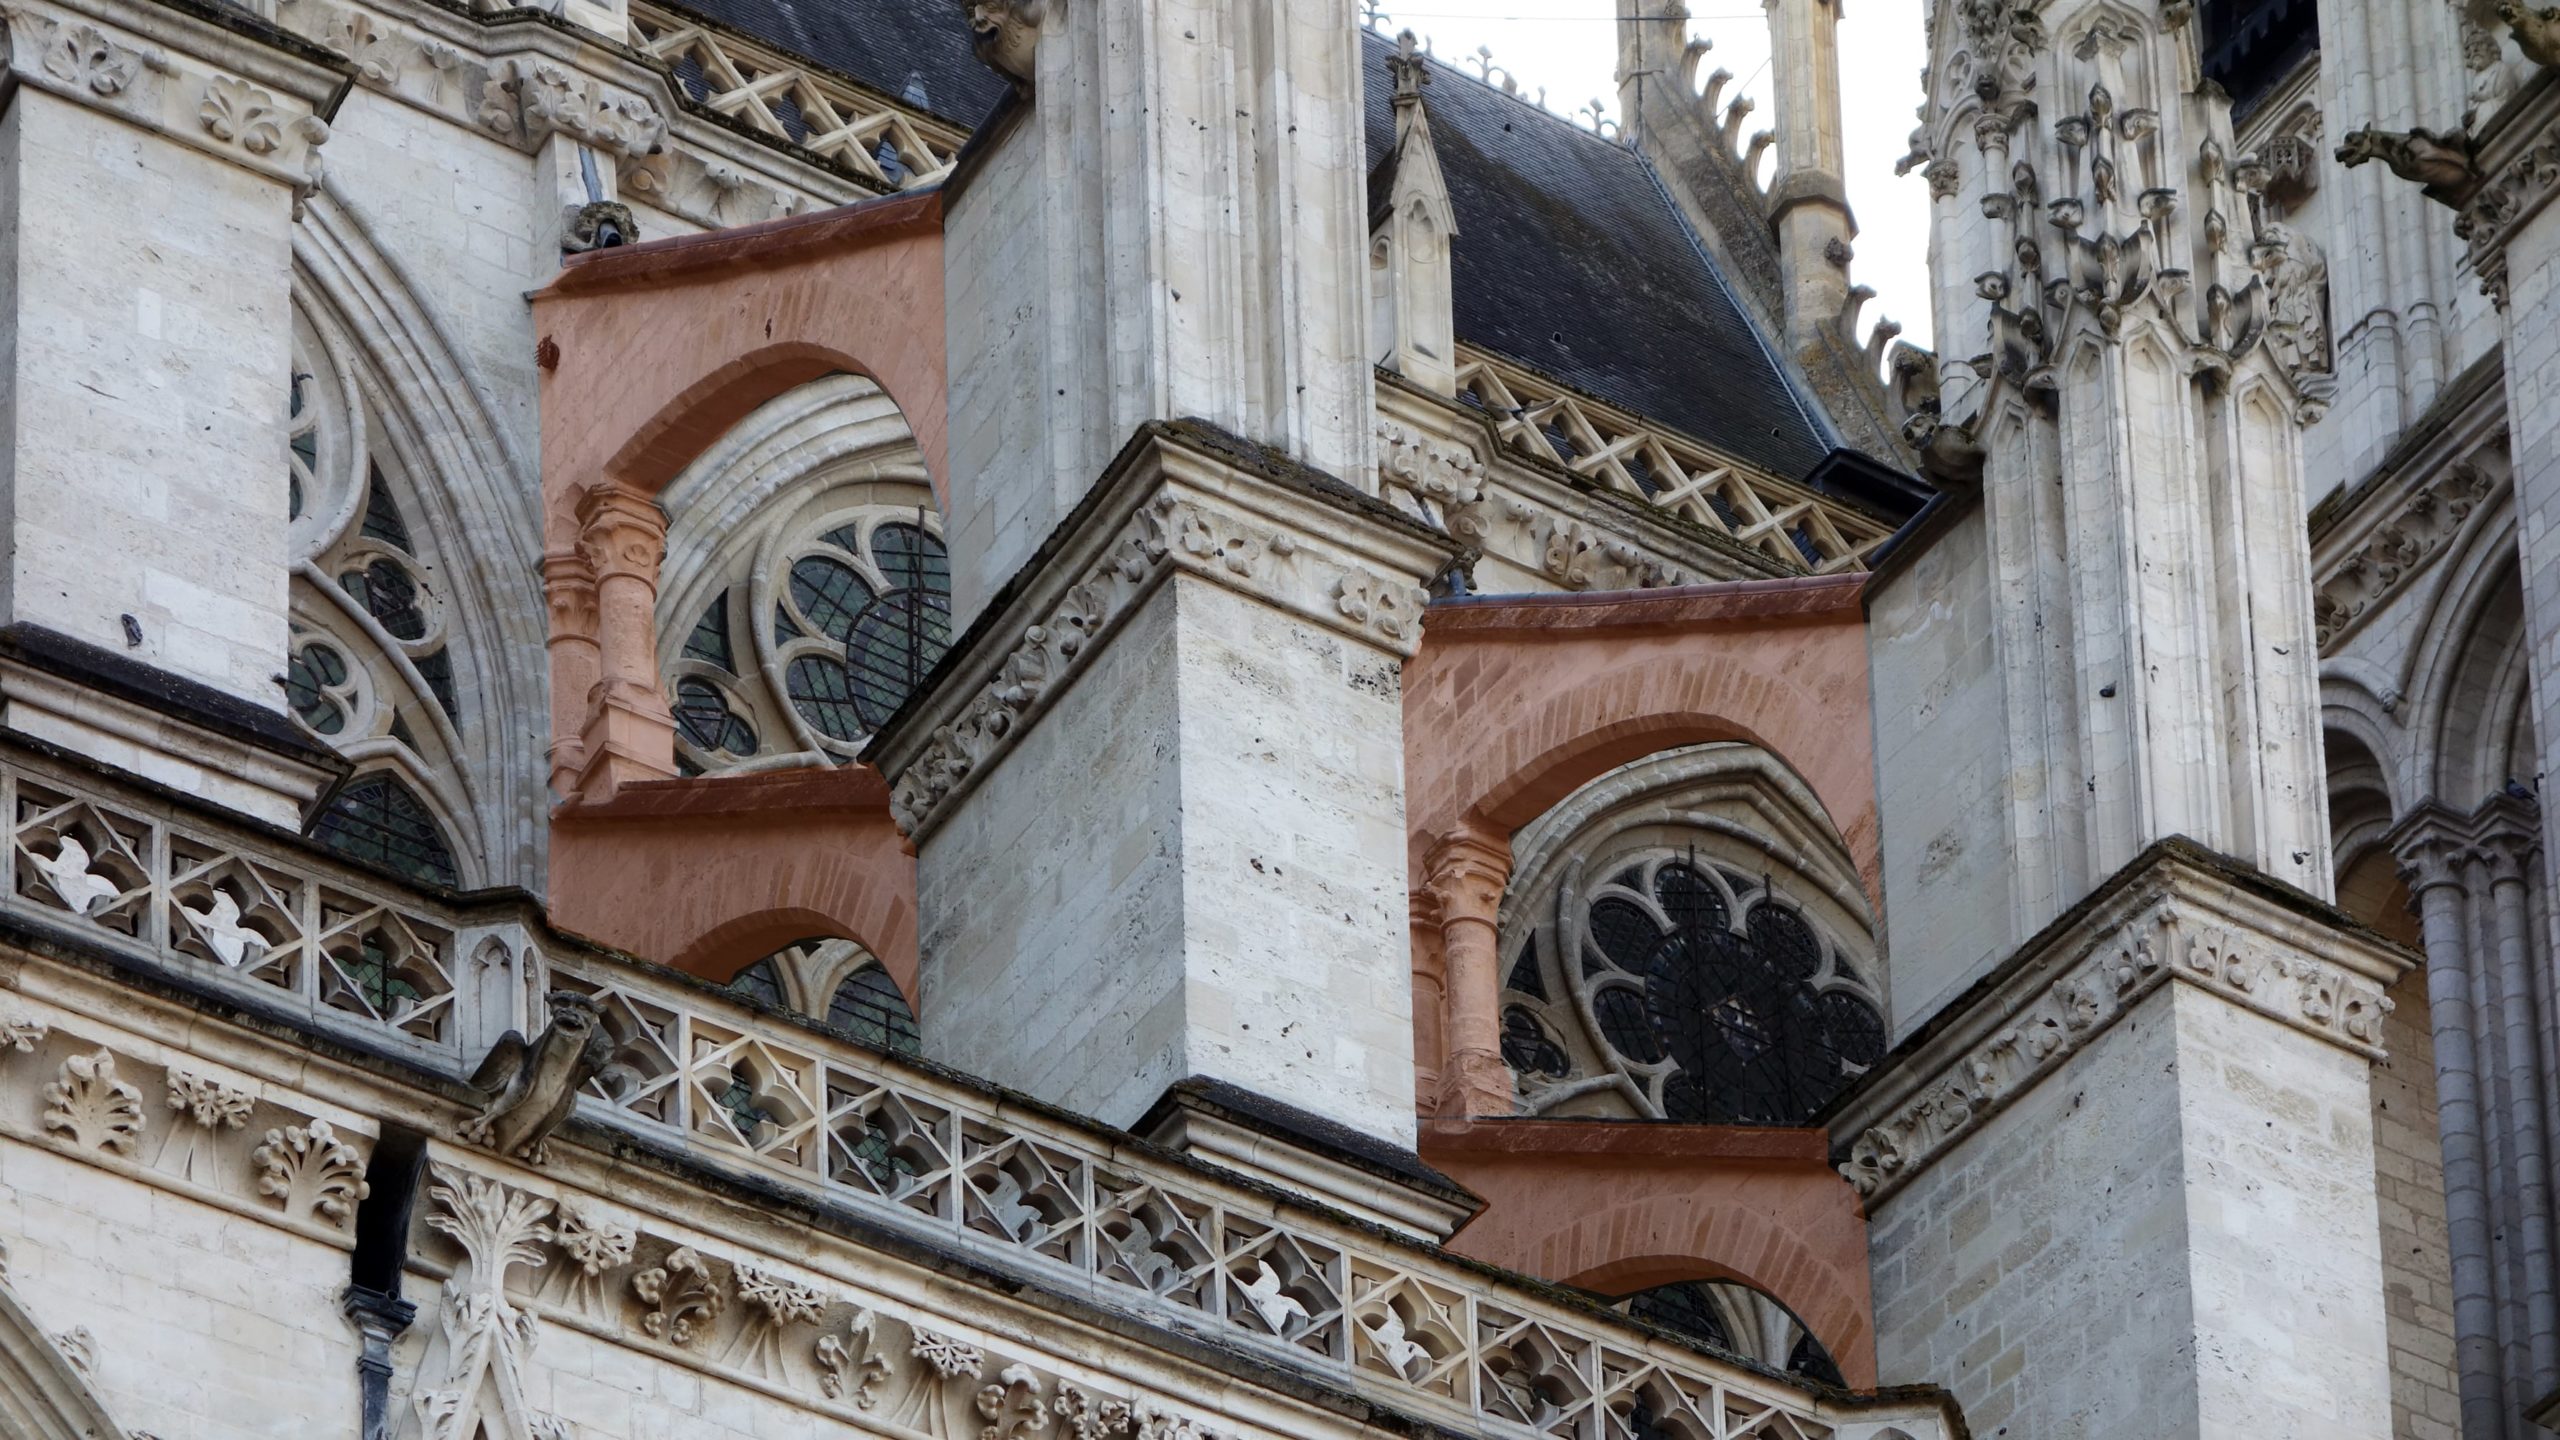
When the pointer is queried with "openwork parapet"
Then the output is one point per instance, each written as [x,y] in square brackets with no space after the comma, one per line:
[1537,418]
[1066,1204]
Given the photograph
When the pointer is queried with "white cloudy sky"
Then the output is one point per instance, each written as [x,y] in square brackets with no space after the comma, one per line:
[1570,48]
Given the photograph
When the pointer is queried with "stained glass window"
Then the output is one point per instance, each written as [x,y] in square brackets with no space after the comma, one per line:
[1739,1320]
[868,1007]
[1665,965]
[859,611]
[378,820]
[762,981]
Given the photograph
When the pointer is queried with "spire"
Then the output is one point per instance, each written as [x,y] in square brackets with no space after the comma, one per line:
[1809,200]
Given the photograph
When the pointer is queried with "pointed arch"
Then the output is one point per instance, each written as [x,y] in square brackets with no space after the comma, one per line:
[457,465]
[42,1396]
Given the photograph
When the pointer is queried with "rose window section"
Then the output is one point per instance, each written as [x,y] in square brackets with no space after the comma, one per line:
[1698,992]
[812,655]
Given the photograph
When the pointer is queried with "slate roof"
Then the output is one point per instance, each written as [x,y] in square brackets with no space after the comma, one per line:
[1570,258]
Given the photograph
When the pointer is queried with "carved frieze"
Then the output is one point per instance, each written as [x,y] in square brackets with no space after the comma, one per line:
[240,100]
[2420,527]
[2173,928]
[1185,523]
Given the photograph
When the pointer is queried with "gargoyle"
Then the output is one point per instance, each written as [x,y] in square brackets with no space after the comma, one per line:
[531,1086]
[2537,32]
[2438,160]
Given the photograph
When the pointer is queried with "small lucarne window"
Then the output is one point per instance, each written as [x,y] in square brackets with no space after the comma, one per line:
[378,820]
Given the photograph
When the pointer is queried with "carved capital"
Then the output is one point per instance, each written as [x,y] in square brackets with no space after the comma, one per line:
[622,534]
[569,589]
[1466,874]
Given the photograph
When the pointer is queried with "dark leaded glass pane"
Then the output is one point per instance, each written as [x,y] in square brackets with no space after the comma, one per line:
[761,981]
[1785,942]
[388,594]
[382,516]
[703,714]
[709,641]
[829,594]
[1525,977]
[822,692]
[1624,933]
[1748,1038]
[786,629]
[1684,1308]
[383,989]
[436,668]
[1528,1048]
[868,1007]
[899,639]
[1813,1362]
[378,820]
[1620,1010]
[305,672]
[912,558]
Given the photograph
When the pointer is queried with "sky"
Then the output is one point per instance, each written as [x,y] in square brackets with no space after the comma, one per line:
[1570,48]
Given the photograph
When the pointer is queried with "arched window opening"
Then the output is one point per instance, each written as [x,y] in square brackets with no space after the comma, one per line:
[379,821]
[1739,1320]
[369,667]
[1686,942]
[805,599]
[858,996]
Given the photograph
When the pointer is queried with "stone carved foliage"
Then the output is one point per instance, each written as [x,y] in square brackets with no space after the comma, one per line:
[2427,521]
[683,1294]
[93,1110]
[1439,483]
[2158,945]
[471,1382]
[308,1170]
[209,1103]
[2502,200]
[82,55]
[527,99]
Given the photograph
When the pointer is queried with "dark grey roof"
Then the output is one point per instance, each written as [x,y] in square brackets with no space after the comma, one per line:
[1570,256]
[1572,260]
[897,46]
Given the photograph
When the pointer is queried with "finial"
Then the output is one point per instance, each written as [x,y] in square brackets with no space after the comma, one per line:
[1408,69]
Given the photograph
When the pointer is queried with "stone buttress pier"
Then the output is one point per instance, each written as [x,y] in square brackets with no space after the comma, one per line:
[1156,793]
[152,185]
[2120,1169]
[2127,1188]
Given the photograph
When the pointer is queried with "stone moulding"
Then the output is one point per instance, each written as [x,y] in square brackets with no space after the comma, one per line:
[242,91]
[2518,159]
[1180,499]
[2176,915]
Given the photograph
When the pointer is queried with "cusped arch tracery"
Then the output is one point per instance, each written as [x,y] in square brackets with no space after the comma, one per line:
[807,588]
[1685,940]
[380,662]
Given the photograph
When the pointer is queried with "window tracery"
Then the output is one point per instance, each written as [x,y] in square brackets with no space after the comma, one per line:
[1737,1319]
[858,996]
[1686,942]
[805,601]
[369,666]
